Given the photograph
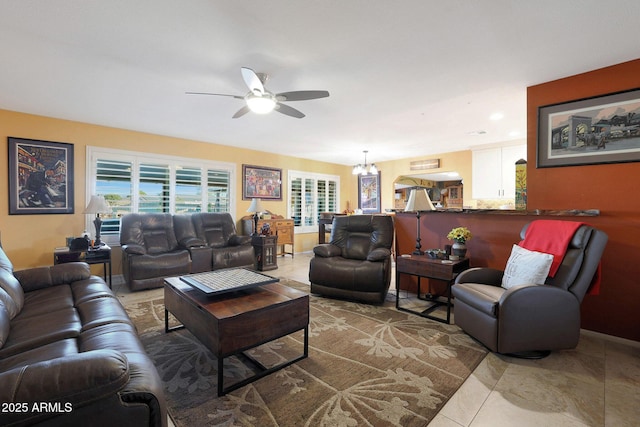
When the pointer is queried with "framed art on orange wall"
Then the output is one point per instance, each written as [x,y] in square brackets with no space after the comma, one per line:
[40,177]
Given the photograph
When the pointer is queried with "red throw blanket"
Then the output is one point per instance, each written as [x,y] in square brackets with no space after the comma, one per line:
[537,239]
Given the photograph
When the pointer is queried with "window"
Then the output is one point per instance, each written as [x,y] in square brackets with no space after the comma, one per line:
[309,195]
[141,182]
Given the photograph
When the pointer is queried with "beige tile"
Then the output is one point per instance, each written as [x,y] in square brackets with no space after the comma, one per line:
[622,403]
[499,411]
[467,401]
[568,383]
[441,421]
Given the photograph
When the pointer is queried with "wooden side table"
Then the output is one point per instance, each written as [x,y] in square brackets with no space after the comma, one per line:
[265,250]
[101,255]
[423,266]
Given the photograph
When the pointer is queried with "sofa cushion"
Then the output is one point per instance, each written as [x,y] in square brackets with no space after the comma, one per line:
[117,336]
[35,331]
[101,311]
[526,267]
[156,243]
[62,348]
[47,300]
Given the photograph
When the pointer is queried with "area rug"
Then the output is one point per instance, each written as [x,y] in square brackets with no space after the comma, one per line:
[367,365]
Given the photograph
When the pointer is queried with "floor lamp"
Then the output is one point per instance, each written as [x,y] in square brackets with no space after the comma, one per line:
[418,201]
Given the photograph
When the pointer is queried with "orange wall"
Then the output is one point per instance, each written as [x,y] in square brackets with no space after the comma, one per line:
[612,188]
[29,240]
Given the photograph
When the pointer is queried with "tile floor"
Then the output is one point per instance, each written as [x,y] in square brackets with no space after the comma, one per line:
[596,384]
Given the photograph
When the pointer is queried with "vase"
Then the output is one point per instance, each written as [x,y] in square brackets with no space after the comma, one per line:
[459,249]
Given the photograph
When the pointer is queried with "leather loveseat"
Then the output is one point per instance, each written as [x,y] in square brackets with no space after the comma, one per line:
[212,241]
[69,354]
[159,245]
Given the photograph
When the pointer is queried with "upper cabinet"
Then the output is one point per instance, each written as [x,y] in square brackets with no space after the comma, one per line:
[494,171]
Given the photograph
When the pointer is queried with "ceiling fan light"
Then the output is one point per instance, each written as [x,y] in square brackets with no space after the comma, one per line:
[261,105]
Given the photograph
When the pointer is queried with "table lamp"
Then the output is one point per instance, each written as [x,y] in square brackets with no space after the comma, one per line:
[418,201]
[256,208]
[97,205]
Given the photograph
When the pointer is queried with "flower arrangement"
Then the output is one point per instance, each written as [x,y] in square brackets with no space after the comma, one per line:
[459,234]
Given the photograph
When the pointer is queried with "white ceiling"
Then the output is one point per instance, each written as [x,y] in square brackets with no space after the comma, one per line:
[406,78]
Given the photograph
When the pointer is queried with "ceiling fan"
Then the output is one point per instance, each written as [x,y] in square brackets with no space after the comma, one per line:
[261,101]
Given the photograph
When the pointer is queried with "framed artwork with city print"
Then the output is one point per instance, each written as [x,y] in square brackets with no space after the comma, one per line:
[40,177]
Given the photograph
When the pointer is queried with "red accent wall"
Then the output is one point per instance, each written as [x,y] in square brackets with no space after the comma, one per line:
[614,189]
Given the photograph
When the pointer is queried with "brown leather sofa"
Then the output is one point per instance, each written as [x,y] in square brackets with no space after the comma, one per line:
[159,245]
[69,354]
[356,264]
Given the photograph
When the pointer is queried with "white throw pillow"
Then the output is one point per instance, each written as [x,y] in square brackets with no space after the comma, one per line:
[526,267]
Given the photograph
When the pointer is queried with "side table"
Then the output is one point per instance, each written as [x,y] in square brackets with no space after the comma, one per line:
[423,266]
[265,250]
[100,255]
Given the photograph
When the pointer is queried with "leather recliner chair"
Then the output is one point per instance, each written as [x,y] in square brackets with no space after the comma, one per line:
[150,251]
[356,264]
[530,320]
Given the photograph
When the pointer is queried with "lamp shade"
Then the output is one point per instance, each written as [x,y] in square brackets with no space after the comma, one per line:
[97,205]
[419,201]
[255,206]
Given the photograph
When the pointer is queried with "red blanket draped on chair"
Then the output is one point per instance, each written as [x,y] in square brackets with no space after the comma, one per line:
[537,238]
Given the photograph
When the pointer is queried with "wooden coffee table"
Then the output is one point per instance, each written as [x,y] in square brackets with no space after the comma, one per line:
[230,324]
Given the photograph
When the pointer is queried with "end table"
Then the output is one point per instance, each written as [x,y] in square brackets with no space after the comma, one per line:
[265,250]
[423,266]
[98,255]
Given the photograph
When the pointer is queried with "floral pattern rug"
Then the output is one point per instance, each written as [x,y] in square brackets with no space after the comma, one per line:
[367,365]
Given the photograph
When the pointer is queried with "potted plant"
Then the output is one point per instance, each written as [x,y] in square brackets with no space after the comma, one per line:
[459,235]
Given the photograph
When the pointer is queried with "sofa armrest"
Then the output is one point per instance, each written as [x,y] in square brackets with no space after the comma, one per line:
[327,250]
[192,242]
[70,381]
[379,254]
[482,275]
[43,277]
[133,249]
[236,240]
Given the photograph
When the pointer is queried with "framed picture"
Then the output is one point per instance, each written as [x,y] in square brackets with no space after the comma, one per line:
[40,177]
[369,193]
[261,182]
[603,129]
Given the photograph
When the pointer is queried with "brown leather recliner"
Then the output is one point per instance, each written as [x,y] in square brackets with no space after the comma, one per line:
[150,251]
[530,320]
[356,264]
[213,242]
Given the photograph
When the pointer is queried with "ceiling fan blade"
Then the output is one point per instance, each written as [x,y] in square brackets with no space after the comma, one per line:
[215,94]
[289,111]
[252,80]
[302,95]
[241,112]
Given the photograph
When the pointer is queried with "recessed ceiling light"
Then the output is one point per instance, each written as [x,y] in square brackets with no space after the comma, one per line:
[496,116]
[477,132]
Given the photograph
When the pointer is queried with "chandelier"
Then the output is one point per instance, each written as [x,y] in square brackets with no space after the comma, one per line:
[361,169]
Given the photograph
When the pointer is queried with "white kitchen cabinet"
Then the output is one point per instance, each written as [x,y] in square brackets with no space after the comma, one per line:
[494,171]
